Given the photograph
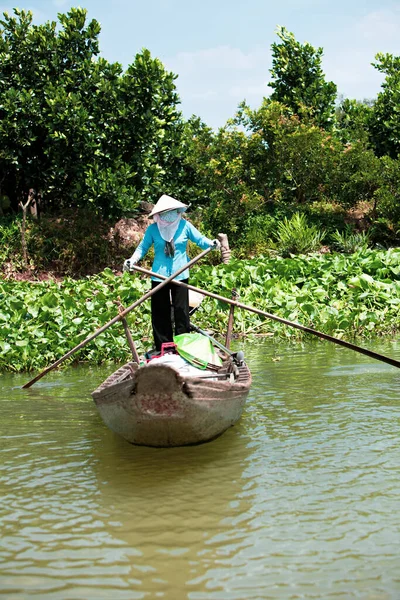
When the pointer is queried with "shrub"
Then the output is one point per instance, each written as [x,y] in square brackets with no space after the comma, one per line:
[350,241]
[384,233]
[10,240]
[328,215]
[257,234]
[73,243]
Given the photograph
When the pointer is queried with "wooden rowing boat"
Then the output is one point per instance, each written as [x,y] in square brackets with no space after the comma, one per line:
[169,401]
[157,405]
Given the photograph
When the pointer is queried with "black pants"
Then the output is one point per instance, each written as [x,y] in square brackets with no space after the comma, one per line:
[162,316]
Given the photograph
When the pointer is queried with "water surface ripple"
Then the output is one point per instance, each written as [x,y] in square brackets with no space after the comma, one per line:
[299,500]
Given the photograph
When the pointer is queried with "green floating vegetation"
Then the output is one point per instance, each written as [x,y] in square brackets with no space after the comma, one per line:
[343,295]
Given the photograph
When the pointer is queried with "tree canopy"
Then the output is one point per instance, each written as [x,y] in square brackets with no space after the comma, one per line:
[298,81]
[85,133]
[385,121]
[77,128]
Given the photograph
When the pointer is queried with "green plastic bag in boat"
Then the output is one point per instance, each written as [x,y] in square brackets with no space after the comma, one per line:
[197,349]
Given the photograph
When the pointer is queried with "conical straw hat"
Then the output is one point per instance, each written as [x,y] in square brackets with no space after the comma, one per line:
[167,203]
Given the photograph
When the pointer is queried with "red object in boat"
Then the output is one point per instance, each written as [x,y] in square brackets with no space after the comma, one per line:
[168,346]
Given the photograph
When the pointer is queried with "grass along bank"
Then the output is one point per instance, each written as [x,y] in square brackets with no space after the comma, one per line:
[349,296]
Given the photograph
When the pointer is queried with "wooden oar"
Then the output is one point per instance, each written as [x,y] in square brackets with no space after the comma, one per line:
[119,317]
[390,361]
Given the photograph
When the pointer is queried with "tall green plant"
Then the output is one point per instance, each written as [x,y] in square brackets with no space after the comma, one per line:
[296,236]
[350,241]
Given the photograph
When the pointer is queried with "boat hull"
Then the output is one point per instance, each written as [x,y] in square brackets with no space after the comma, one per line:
[155,406]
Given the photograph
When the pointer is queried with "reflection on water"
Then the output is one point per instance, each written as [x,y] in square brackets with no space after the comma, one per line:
[299,500]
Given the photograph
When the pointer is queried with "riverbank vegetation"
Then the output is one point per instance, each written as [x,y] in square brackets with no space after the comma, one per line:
[344,295]
[79,133]
[307,187]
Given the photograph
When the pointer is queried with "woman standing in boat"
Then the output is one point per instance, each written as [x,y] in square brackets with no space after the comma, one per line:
[169,234]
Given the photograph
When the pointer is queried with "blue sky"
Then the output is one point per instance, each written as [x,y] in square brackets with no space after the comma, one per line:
[221,49]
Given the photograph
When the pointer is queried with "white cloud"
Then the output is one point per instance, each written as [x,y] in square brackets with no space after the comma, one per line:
[213,81]
[220,58]
[205,95]
[250,89]
[349,64]
[353,73]
[381,25]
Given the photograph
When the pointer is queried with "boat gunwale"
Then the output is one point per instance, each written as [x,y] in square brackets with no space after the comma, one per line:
[111,384]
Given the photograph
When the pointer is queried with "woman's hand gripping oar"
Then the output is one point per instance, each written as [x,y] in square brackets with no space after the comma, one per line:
[118,317]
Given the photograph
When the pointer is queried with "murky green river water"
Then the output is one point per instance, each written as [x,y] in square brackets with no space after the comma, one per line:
[301,499]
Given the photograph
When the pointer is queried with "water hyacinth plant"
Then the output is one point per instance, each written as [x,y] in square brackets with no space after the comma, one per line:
[343,295]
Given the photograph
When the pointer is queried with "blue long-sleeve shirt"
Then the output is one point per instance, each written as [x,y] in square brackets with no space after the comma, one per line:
[167,265]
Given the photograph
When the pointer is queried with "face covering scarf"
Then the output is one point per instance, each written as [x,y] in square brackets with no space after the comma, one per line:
[167,223]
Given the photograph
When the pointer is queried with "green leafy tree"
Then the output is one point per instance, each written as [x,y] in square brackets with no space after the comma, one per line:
[41,73]
[385,119]
[194,153]
[77,128]
[357,175]
[149,123]
[387,195]
[352,120]
[298,81]
[225,174]
[296,159]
